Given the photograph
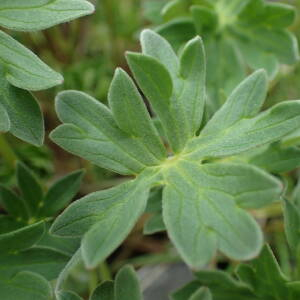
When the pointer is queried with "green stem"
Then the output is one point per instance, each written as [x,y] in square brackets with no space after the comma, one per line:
[93,282]
[104,271]
[7,152]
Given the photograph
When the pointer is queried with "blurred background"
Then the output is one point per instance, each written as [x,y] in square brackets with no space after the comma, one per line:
[86,52]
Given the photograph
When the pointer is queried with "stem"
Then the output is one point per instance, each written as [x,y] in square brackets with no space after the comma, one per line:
[93,282]
[104,271]
[7,152]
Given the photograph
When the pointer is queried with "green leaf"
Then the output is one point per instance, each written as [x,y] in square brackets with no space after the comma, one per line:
[277,159]
[23,111]
[31,189]
[127,285]
[4,120]
[224,287]
[154,224]
[25,286]
[105,291]
[131,114]
[13,204]
[292,224]
[61,193]
[22,238]
[201,294]
[92,133]
[8,224]
[40,14]
[67,295]
[202,209]
[265,277]
[186,291]
[46,262]
[24,69]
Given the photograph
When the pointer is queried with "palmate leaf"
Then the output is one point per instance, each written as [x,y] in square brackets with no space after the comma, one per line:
[203,203]
[237,35]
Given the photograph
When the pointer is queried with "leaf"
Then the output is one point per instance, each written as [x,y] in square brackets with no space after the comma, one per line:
[105,291]
[247,133]
[131,114]
[201,294]
[127,285]
[31,189]
[40,14]
[265,277]
[4,120]
[67,295]
[92,133]
[22,238]
[23,111]
[106,216]
[186,291]
[202,209]
[24,69]
[46,262]
[291,224]
[13,204]
[25,286]
[277,159]
[224,287]
[61,193]
[154,224]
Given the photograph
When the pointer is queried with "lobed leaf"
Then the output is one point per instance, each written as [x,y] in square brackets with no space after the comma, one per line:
[201,294]
[41,14]
[105,291]
[67,295]
[202,209]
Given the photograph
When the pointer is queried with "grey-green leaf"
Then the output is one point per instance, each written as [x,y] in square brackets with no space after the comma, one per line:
[24,69]
[131,115]
[202,209]
[127,285]
[154,224]
[40,14]
[24,113]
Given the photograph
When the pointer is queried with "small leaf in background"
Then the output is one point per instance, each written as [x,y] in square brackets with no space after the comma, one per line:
[37,15]
[13,204]
[277,159]
[41,260]
[31,189]
[25,286]
[60,194]
[24,69]
[201,294]
[154,224]
[264,276]
[67,295]
[4,120]
[127,285]
[23,111]
[186,291]
[291,223]
[22,238]
[105,291]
